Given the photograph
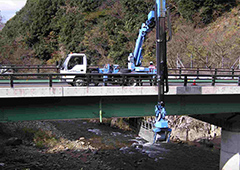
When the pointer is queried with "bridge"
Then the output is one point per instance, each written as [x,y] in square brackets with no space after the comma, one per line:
[208,97]
[140,100]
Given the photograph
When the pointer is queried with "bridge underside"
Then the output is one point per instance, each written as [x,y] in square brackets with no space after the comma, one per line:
[204,107]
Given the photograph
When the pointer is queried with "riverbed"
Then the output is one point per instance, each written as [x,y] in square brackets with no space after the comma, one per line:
[90,145]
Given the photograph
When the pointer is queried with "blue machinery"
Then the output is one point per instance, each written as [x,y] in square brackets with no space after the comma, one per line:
[159,17]
[136,57]
[161,125]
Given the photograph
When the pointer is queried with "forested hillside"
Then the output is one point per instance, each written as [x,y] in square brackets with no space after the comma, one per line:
[45,31]
[1,23]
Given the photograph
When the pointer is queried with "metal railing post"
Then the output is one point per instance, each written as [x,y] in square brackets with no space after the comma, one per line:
[50,80]
[185,80]
[123,80]
[11,81]
[213,80]
[197,73]
[88,79]
[232,73]
[215,71]
[38,69]
[180,72]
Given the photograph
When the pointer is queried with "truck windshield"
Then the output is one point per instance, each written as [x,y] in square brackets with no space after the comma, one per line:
[75,60]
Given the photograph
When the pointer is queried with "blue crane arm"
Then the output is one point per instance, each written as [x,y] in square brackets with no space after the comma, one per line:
[136,56]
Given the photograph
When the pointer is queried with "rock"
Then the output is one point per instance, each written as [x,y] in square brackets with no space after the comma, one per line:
[134,145]
[139,146]
[124,149]
[131,153]
[14,141]
[96,131]
[95,152]
[120,123]
[185,128]
[209,144]
[81,138]
[88,151]
[115,133]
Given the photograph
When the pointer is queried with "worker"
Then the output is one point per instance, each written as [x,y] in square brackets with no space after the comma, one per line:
[151,67]
[152,70]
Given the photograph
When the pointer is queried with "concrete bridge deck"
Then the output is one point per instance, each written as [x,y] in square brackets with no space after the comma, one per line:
[23,92]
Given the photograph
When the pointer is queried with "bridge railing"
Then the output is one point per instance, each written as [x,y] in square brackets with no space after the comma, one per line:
[29,68]
[178,70]
[210,79]
[202,71]
[127,79]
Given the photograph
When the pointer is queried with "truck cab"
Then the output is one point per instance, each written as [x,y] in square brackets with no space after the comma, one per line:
[74,63]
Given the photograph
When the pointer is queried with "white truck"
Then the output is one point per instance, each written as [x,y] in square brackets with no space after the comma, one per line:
[75,63]
[76,71]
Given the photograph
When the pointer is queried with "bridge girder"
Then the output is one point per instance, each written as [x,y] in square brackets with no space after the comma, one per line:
[203,107]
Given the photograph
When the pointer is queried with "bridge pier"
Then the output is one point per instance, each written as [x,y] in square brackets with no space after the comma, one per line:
[230,138]
[230,150]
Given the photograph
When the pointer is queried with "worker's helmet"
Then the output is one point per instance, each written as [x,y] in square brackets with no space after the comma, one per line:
[151,63]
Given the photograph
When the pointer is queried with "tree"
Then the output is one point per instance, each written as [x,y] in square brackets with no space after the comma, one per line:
[203,11]
[1,22]
[106,30]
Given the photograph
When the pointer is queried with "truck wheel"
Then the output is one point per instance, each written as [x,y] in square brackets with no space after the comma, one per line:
[132,81]
[78,81]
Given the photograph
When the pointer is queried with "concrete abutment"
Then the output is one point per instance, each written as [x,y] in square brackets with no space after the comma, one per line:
[230,150]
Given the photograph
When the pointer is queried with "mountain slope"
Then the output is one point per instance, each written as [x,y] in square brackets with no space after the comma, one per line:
[45,31]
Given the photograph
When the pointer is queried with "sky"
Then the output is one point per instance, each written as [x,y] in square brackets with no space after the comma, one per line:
[9,8]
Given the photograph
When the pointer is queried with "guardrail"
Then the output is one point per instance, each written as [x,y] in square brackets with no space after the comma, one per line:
[179,70]
[127,79]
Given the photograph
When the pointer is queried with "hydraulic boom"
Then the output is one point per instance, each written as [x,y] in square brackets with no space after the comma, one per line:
[158,17]
[161,14]
[134,59]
